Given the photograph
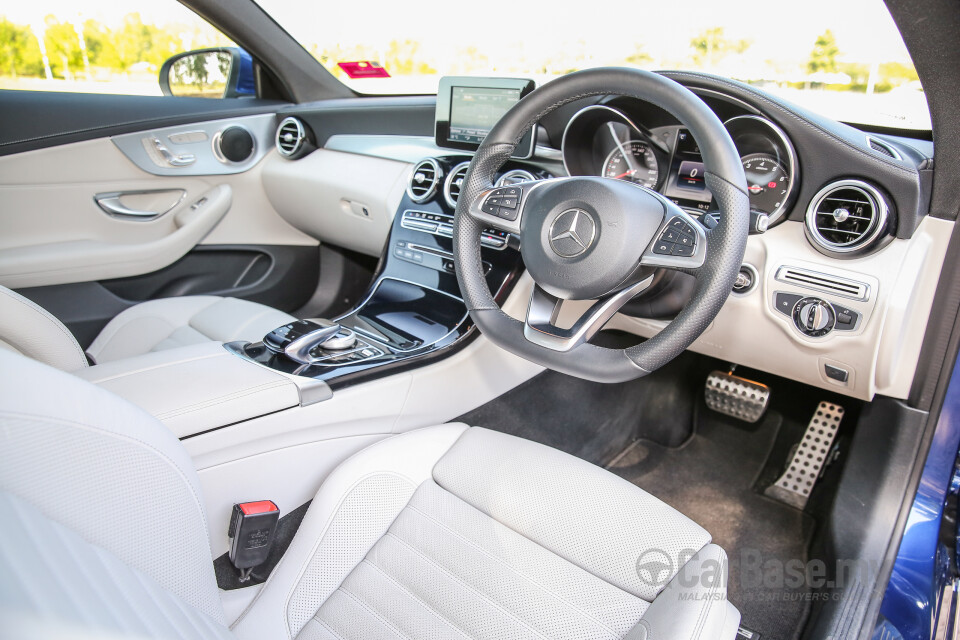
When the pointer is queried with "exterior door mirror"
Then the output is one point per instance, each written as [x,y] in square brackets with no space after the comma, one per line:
[221,72]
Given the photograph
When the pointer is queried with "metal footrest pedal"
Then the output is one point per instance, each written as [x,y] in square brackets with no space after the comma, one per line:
[796,483]
[737,397]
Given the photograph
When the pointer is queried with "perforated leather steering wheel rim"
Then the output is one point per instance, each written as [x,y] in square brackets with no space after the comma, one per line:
[725,244]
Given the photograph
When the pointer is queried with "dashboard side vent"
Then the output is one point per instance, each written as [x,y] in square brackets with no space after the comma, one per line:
[846,217]
[884,148]
[451,188]
[423,183]
[824,282]
[291,137]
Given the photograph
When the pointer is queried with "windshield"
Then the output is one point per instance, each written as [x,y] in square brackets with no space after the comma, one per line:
[842,58]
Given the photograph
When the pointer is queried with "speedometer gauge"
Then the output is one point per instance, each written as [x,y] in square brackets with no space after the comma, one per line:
[633,161]
[767,182]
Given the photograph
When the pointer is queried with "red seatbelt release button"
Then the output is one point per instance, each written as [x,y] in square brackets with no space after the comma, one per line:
[252,529]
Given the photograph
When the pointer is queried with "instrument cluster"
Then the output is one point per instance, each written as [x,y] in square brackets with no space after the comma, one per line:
[602,140]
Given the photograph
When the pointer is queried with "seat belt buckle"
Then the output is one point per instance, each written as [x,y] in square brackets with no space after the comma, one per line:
[252,529]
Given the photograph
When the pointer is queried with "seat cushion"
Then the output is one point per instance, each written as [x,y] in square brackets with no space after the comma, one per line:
[450,532]
[176,322]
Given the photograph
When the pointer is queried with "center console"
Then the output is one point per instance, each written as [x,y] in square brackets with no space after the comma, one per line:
[413,311]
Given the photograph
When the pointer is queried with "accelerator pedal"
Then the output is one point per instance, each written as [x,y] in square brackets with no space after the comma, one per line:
[796,483]
[737,397]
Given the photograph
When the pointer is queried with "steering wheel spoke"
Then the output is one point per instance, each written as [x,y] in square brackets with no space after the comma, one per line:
[680,243]
[540,325]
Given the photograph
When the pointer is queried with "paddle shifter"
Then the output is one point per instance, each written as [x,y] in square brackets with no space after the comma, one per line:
[308,341]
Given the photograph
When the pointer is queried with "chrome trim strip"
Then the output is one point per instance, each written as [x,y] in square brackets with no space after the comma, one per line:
[863,287]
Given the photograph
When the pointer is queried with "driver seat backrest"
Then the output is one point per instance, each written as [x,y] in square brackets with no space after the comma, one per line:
[103,523]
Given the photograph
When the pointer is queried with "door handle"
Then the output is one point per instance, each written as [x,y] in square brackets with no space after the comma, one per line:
[111,204]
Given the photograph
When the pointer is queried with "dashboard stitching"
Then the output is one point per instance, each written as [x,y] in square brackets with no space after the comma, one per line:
[800,119]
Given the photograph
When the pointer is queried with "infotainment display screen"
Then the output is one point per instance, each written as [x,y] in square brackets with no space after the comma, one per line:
[468,108]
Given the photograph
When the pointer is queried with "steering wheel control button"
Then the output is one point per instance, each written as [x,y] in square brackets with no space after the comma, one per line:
[814,317]
[503,203]
[663,248]
[508,214]
[677,239]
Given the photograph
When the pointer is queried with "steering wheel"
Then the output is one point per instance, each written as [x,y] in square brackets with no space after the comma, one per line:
[592,238]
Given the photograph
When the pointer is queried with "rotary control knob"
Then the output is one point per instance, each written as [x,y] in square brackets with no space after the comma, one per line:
[342,340]
[814,317]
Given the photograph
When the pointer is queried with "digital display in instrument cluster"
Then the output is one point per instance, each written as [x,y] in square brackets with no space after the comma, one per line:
[685,182]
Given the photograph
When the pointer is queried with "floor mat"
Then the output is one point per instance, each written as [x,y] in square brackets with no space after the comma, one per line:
[711,479]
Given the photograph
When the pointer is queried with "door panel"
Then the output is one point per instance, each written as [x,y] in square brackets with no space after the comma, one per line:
[52,230]
[61,118]
[282,277]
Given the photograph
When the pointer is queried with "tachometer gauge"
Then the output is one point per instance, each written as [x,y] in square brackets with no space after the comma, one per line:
[767,182]
[634,161]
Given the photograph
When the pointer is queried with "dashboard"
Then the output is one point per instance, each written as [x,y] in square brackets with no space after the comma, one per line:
[836,285]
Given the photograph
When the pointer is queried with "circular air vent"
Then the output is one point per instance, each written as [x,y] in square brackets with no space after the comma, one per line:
[451,188]
[423,183]
[291,137]
[846,216]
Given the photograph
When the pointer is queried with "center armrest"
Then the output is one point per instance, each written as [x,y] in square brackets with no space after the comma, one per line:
[196,388]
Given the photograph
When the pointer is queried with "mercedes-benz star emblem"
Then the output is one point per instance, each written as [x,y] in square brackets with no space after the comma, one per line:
[572,233]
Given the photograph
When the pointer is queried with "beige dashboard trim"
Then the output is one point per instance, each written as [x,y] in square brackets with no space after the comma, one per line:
[881,354]
[344,199]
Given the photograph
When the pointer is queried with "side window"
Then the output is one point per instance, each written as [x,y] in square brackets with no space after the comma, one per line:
[132,47]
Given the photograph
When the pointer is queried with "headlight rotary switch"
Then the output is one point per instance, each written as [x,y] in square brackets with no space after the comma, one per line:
[814,317]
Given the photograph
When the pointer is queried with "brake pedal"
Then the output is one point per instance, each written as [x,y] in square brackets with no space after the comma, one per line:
[737,397]
[796,483]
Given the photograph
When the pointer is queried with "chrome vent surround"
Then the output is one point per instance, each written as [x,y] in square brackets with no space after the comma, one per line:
[883,147]
[514,176]
[291,137]
[824,283]
[454,182]
[425,180]
[846,216]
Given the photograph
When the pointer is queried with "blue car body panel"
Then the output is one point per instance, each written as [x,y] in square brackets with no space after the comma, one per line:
[913,593]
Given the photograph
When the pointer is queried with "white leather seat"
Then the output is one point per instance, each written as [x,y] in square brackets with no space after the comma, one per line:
[447,532]
[29,329]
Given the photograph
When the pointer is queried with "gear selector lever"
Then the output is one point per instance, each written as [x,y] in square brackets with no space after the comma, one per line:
[298,339]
